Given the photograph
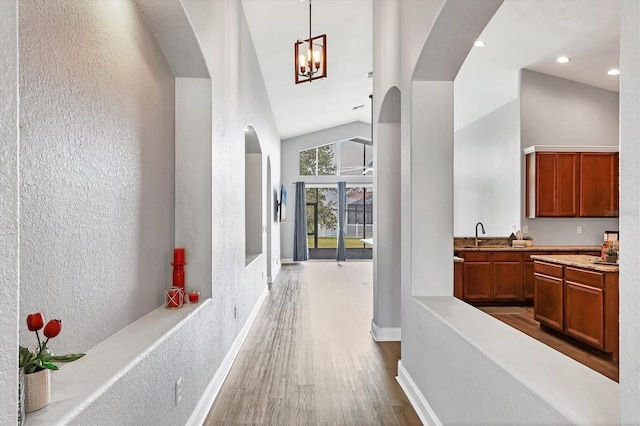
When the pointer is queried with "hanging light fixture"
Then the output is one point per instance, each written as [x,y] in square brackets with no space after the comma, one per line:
[310,57]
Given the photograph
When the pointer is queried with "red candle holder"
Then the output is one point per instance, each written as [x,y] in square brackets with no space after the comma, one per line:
[194,296]
[174,297]
[178,269]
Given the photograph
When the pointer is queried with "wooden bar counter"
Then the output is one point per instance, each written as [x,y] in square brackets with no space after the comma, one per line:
[577,295]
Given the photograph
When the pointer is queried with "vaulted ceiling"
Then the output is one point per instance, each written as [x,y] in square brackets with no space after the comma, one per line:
[523,34]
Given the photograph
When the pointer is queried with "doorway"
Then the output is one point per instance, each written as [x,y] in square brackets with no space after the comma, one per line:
[322,221]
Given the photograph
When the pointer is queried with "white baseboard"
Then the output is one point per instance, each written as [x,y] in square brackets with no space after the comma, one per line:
[385,334]
[203,407]
[419,403]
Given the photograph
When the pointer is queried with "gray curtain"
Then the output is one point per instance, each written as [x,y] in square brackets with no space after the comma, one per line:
[341,252]
[300,247]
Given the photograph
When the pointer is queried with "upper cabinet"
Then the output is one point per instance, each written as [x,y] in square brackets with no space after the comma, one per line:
[578,183]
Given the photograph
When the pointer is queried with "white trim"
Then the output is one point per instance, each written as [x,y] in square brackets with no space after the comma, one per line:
[385,334]
[419,403]
[570,148]
[203,407]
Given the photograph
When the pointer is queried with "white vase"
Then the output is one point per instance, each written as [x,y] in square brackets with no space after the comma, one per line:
[37,390]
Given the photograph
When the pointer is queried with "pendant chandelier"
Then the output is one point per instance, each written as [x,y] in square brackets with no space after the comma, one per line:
[310,57]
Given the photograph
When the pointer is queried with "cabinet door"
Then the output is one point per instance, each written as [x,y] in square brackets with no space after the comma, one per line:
[477,281]
[508,280]
[528,287]
[584,313]
[566,184]
[599,184]
[556,184]
[457,279]
[548,301]
[546,198]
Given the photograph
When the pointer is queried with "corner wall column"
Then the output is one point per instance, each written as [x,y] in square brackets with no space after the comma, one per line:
[431,188]
[629,212]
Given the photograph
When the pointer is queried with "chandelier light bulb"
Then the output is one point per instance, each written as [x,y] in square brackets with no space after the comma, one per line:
[302,61]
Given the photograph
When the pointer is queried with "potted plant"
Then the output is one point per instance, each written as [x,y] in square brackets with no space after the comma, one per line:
[611,255]
[38,363]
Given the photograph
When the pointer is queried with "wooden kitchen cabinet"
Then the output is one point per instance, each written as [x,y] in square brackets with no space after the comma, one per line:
[598,184]
[549,295]
[571,184]
[478,276]
[492,276]
[507,276]
[582,303]
[554,176]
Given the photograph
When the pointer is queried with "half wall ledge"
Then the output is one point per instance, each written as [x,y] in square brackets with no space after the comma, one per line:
[484,353]
[79,384]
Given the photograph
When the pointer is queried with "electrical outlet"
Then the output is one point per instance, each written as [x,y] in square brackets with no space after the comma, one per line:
[579,229]
[235,311]
[525,229]
[178,390]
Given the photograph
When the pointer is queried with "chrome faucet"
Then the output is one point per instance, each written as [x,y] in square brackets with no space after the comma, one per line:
[481,226]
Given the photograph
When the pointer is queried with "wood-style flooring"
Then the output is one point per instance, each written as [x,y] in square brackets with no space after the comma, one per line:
[309,358]
[522,319]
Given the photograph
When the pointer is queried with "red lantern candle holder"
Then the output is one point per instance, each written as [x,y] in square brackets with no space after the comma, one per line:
[174,297]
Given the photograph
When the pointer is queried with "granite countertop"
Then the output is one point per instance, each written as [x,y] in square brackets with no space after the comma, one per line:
[578,261]
[532,248]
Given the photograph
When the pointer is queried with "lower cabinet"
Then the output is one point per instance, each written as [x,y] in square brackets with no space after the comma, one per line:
[548,306]
[581,303]
[491,276]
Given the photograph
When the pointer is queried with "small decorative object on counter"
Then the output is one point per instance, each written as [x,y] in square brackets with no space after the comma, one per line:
[194,296]
[178,269]
[37,364]
[174,297]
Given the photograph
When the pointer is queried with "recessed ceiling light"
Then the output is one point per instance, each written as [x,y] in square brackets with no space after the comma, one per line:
[357,107]
[562,60]
[613,71]
[479,43]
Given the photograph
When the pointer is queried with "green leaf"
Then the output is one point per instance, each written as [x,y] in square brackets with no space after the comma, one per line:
[49,365]
[63,358]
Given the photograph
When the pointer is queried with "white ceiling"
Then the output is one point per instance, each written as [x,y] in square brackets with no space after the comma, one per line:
[275,25]
[523,34]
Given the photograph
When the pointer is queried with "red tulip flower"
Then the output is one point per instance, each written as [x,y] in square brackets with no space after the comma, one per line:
[35,321]
[52,329]
[41,358]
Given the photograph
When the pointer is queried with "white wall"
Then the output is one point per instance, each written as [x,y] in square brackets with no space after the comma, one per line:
[98,171]
[193,164]
[96,168]
[486,173]
[555,111]
[630,212]
[291,170]
[9,217]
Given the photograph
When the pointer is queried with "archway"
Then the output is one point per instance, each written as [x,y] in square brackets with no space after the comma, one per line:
[252,195]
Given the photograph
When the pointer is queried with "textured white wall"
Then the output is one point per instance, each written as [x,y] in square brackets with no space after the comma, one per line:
[193,180]
[555,111]
[630,212]
[109,117]
[9,216]
[486,173]
[291,170]
[239,99]
[97,168]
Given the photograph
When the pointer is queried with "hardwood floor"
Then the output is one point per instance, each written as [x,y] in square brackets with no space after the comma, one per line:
[309,358]
[521,318]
